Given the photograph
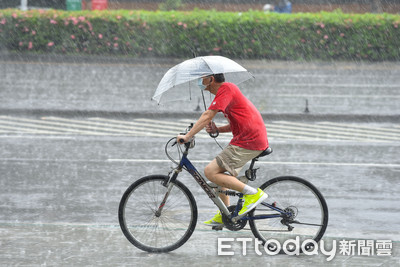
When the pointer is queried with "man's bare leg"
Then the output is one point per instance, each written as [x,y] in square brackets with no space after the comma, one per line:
[217,175]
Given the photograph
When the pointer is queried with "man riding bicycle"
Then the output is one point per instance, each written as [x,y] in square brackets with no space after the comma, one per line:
[249,140]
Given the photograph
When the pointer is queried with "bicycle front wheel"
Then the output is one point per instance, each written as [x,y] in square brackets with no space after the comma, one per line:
[306,212]
[149,223]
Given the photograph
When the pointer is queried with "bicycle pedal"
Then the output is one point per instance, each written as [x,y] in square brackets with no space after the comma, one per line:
[218,228]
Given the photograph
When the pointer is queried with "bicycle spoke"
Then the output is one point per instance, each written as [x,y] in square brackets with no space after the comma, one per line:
[147,229]
[302,209]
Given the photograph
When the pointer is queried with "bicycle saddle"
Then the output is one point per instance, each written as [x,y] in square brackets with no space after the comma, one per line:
[265,152]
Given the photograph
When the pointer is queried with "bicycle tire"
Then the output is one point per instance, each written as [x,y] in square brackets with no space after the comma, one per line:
[149,232]
[299,195]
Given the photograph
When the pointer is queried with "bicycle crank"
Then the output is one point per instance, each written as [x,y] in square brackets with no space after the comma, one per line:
[233,226]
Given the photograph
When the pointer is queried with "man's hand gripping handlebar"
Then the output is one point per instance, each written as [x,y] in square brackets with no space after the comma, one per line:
[182,138]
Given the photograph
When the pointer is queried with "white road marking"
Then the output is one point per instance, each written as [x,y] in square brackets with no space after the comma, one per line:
[137,122]
[336,96]
[366,164]
[354,164]
[95,124]
[277,130]
[50,129]
[346,85]
[355,134]
[25,129]
[175,123]
[316,134]
[379,130]
[144,128]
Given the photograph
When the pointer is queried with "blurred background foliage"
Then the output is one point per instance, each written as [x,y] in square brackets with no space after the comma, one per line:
[251,34]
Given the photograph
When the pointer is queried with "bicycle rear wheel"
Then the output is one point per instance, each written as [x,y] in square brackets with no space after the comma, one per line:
[307,208]
[148,230]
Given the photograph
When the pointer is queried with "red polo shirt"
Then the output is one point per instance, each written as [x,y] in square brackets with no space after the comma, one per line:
[246,123]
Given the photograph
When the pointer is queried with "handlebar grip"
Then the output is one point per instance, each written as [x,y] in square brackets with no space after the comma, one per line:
[181,140]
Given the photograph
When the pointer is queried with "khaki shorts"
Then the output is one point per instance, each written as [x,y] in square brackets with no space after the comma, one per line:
[233,158]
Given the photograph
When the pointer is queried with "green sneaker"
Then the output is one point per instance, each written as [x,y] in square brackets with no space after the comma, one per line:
[215,221]
[251,201]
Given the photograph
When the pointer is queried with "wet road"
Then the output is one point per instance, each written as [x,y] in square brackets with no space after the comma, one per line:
[123,85]
[66,156]
[62,179]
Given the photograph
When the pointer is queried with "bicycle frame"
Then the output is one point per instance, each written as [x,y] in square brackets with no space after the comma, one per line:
[185,163]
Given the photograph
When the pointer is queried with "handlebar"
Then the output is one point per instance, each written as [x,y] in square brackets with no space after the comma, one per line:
[173,141]
[189,144]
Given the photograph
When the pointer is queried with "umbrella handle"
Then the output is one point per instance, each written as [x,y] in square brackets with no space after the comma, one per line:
[214,135]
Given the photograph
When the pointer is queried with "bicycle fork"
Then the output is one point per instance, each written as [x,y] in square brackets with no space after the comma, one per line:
[167,183]
[160,208]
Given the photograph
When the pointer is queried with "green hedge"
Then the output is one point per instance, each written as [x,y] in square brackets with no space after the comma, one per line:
[250,34]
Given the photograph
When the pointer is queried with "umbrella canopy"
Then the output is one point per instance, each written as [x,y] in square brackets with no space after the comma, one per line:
[195,68]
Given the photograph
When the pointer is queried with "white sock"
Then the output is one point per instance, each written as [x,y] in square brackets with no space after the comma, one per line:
[248,190]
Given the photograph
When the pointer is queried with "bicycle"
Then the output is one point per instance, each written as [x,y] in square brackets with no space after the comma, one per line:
[167,214]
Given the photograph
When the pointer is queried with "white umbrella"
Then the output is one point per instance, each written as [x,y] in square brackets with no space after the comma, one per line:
[190,70]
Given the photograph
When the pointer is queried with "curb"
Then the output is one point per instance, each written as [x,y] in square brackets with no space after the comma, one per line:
[169,62]
[366,118]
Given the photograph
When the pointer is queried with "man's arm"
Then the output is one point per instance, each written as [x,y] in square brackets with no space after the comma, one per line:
[212,128]
[224,129]
[204,120]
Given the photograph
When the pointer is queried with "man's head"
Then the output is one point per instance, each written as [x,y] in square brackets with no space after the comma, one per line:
[219,78]
[211,82]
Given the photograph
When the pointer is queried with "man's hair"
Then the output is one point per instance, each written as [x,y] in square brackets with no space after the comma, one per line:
[219,78]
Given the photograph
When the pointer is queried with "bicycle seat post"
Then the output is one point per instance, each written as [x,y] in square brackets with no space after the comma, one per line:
[251,172]
[253,161]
